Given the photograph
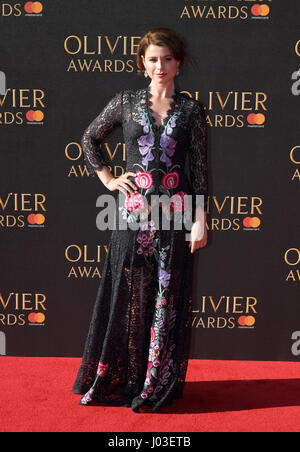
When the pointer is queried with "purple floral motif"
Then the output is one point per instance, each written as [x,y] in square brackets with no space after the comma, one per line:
[145,144]
[163,277]
[171,125]
[146,127]
[87,397]
[168,145]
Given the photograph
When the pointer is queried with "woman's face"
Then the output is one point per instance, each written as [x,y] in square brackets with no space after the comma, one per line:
[159,60]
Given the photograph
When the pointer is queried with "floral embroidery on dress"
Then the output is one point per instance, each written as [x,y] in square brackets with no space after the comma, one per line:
[144,179]
[168,143]
[102,369]
[168,146]
[134,202]
[145,238]
[170,180]
[160,363]
[159,360]
[146,143]
[87,397]
[101,372]
[133,207]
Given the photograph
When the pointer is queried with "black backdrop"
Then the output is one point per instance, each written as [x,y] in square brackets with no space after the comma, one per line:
[59,68]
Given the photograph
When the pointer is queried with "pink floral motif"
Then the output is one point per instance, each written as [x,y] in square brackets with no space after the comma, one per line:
[102,369]
[143,179]
[179,202]
[134,202]
[170,180]
[152,334]
[168,145]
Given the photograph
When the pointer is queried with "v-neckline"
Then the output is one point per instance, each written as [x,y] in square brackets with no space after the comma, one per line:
[150,110]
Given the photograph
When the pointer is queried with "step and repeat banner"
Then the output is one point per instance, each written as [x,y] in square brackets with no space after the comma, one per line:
[60,63]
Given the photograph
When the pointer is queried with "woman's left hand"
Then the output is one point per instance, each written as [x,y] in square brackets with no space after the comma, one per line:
[198,236]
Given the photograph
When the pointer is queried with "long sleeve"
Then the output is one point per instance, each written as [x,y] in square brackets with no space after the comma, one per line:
[108,119]
[198,152]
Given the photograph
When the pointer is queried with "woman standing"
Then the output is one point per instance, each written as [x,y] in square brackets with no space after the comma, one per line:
[137,348]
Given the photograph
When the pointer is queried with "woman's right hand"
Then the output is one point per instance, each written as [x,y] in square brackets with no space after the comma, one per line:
[122,183]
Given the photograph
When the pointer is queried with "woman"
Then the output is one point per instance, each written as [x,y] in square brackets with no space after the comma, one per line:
[137,349]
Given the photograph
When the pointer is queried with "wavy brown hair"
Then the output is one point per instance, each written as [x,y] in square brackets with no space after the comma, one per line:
[162,36]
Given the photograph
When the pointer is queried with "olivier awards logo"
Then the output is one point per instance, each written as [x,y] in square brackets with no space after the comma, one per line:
[234,213]
[22,106]
[222,312]
[19,210]
[77,168]
[21,309]
[235,108]
[101,53]
[225,10]
[17,9]
[84,262]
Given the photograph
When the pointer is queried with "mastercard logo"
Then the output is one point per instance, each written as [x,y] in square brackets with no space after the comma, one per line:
[245,320]
[251,222]
[260,10]
[33,7]
[36,317]
[256,118]
[36,218]
[34,115]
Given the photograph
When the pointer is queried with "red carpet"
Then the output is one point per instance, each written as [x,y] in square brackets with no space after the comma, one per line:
[219,396]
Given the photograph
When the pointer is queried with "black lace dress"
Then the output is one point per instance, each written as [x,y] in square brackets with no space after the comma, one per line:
[137,348]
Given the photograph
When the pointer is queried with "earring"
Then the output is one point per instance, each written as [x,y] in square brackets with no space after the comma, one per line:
[177,73]
[145,73]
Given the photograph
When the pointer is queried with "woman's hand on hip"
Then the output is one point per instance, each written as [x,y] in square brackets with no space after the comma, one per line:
[123,184]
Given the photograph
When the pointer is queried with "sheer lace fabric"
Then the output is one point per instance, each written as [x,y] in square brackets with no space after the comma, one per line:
[138,343]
